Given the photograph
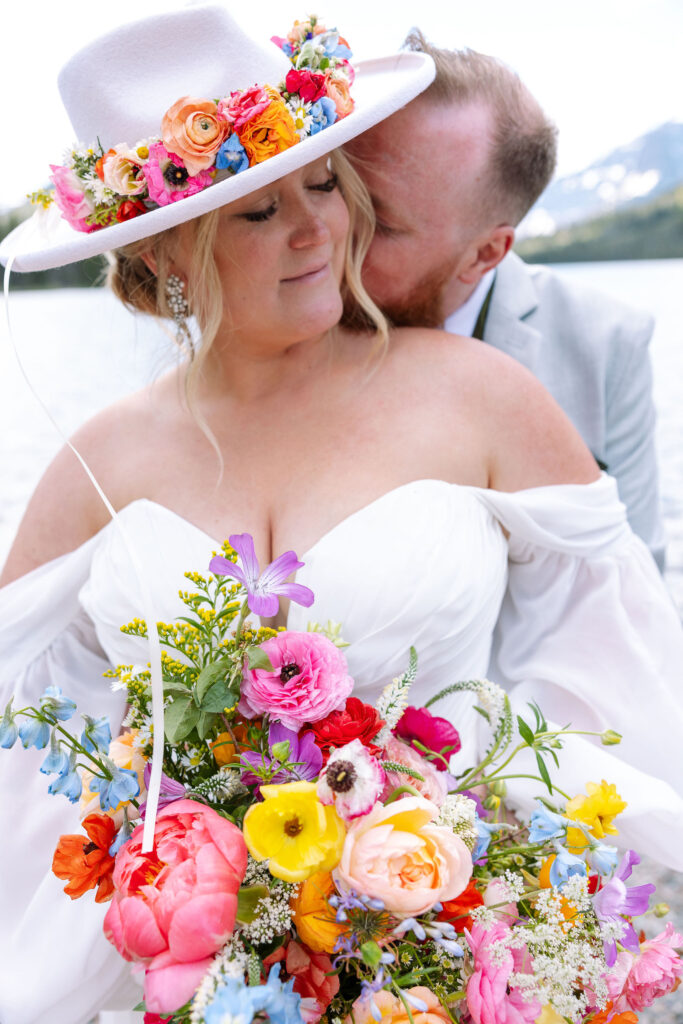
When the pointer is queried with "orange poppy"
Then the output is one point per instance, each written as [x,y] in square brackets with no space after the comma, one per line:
[627,1017]
[457,911]
[85,860]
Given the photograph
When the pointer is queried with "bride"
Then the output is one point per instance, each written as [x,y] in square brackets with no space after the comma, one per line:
[436,493]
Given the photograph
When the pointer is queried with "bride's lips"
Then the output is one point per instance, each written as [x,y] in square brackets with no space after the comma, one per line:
[314,274]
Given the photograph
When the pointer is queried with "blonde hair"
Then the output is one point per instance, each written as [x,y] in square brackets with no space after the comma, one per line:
[142,290]
[524,141]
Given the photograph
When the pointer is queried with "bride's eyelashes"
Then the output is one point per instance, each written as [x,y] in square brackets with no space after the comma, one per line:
[257,216]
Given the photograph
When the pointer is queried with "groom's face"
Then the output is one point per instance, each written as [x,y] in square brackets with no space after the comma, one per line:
[425,168]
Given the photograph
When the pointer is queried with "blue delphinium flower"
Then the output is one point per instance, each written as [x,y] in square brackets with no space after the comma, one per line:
[564,866]
[323,113]
[232,156]
[236,1001]
[122,786]
[284,1004]
[53,702]
[330,43]
[545,824]
[57,761]
[96,735]
[33,732]
[122,836]
[484,833]
[602,858]
[8,728]
[69,783]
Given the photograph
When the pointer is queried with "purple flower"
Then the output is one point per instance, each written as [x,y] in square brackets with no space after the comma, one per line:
[616,902]
[303,753]
[170,789]
[262,588]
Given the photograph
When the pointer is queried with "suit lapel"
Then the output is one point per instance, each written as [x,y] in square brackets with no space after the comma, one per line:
[513,300]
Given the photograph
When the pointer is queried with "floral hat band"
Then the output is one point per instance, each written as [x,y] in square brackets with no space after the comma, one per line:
[249,114]
[203,141]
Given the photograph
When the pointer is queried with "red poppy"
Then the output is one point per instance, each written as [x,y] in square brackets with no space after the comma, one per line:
[85,860]
[457,911]
[357,721]
[130,208]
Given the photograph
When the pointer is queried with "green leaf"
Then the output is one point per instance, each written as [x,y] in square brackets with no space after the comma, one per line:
[543,771]
[248,897]
[205,725]
[220,696]
[174,686]
[180,719]
[524,731]
[371,953]
[210,675]
[257,658]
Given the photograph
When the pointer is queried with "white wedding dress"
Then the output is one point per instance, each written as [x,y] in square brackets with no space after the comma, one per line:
[568,611]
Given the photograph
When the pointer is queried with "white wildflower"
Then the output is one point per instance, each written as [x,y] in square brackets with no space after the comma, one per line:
[301,116]
[492,699]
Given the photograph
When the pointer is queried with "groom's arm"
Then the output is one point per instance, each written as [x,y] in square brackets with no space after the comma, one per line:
[630,433]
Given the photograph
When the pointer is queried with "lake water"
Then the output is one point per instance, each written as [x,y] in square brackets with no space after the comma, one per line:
[82,350]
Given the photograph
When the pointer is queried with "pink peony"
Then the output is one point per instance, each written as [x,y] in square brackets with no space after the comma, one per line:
[636,980]
[242,107]
[489,998]
[175,907]
[397,855]
[310,678]
[419,725]
[70,198]
[434,786]
[168,180]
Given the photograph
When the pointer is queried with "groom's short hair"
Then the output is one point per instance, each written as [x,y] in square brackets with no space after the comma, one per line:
[524,143]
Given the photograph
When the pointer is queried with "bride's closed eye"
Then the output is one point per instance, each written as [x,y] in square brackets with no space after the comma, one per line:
[328,185]
[256,216]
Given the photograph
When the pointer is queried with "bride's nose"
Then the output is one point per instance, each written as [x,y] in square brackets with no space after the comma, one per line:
[308,229]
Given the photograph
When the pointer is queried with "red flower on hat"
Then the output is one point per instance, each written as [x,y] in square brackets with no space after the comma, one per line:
[307,84]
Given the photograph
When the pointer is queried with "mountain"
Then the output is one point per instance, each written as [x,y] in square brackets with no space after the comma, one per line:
[651,230]
[650,166]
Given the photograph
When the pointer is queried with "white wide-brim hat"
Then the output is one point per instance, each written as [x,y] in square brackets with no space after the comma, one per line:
[117,89]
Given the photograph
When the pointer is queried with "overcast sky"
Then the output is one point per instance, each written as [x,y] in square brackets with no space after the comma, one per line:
[605,70]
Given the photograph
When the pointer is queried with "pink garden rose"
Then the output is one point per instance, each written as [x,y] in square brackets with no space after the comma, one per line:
[310,678]
[636,980]
[70,198]
[175,907]
[490,1000]
[435,784]
[240,107]
[398,855]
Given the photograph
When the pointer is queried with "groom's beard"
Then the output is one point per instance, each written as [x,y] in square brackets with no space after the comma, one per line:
[424,305]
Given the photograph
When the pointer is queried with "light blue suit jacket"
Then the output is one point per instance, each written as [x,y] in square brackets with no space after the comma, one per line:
[591,353]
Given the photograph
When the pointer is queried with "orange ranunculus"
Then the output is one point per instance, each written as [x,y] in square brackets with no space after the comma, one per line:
[270,132]
[99,165]
[193,131]
[223,747]
[626,1017]
[457,910]
[313,917]
[339,92]
[85,861]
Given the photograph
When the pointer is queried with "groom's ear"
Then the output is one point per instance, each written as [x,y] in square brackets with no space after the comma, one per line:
[485,253]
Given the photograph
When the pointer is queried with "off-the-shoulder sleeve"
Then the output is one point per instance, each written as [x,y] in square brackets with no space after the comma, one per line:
[55,963]
[588,630]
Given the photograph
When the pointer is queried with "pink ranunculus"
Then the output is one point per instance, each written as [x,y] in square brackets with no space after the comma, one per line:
[490,1000]
[71,199]
[168,180]
[309,679]
[398,855]
[241,107]
[496,896]
[175,907]
[435,784]
[309,85]
[419,725]
[636,980]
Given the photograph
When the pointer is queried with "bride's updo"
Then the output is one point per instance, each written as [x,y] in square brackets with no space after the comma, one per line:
[141,290]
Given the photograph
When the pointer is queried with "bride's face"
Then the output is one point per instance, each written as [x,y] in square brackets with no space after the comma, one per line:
[280,256]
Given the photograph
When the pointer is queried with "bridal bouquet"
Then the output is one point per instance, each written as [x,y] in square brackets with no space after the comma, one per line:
[314,857]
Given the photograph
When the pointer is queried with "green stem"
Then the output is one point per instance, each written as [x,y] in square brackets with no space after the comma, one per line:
[399,791]
[244,611]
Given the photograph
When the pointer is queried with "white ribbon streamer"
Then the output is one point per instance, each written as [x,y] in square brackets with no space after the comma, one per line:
[147,603]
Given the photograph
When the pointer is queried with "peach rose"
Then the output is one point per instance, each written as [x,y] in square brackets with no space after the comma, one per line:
[192,130]
[313,917]
[396,854]
[393,1011]
[339,92]
[270,132]
[122,171]
[124,754]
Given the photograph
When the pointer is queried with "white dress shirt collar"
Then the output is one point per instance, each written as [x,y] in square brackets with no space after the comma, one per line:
[463,320]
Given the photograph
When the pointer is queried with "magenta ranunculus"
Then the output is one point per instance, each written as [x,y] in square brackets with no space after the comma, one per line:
[490,999]
[418,725]
[175,907]
[307,84]
[70,198]
[168,179]
[240,107]
[310,678]
[636,980]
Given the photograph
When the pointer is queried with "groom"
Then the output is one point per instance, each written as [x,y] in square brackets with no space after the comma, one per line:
[450,176]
